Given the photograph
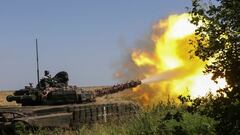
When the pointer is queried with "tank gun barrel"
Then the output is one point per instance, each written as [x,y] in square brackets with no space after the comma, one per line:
[21,99]
[117,88]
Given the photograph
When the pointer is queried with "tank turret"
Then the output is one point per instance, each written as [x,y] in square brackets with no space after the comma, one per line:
[56,91]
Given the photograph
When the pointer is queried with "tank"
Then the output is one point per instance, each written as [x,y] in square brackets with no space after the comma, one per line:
[55,104]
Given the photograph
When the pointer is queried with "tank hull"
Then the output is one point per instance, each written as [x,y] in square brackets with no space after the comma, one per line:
[70,116]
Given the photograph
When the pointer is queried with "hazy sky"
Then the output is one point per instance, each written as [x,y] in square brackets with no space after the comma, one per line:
[83,37]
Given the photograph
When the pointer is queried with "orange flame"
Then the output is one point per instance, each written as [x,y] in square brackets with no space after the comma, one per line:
[171,51]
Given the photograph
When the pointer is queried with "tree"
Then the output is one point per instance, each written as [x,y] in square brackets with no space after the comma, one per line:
[218,40]
[218,37]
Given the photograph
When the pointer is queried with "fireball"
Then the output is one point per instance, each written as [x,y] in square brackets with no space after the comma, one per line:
[170,69]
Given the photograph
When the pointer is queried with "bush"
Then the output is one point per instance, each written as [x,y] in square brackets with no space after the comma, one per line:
[160,119]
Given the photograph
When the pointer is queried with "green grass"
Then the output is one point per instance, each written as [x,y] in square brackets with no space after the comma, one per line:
[160,119]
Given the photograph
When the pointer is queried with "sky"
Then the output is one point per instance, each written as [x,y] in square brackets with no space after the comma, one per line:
[86,38]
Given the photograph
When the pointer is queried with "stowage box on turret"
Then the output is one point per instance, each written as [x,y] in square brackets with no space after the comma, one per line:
[54,103]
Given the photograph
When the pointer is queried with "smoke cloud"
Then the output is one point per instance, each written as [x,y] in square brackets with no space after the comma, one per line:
[126,68]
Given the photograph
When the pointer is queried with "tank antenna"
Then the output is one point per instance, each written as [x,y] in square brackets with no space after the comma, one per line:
[37,61]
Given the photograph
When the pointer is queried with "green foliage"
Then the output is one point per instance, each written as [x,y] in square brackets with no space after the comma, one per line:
[218,39]
[190,124]
[221,109]
[160,120]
